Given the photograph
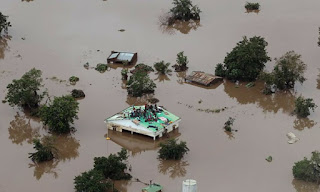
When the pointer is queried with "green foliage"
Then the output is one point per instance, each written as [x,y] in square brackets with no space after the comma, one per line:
[182,62]
[228,124]
[44,150]
[162,67]
[124,72]
[308,170]
[113,167]
[303,106]
[91,181]
[59,114]
[142,68]
[289,68]
[172,150]
[220,70]
[4,24]
[73,80]
[184,10]
[139,84]
[77,93]
[246,60]
[252,6]
[101,67]
[24,92]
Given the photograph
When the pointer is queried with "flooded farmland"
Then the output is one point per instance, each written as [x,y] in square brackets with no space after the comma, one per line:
[59,37]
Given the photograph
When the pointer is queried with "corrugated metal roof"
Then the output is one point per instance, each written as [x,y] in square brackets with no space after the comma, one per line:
[202,77]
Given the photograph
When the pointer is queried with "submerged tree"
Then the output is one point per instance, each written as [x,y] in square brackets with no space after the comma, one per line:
[182,62]
[308,170]
[303,106]
[91,181]
[4,24]
[184,10]
[59,114]
[162,67]
[114,166]
[139,84]
[289,68]
[24,92]
[245,61]
[45,151]
[228,124]
[252,6]
[172,150]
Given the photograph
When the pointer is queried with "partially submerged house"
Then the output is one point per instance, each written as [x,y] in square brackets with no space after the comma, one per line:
[202,78]
[149,120]
[153,188]
[122,57]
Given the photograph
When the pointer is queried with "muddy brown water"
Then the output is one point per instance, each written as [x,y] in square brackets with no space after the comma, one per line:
[60,36]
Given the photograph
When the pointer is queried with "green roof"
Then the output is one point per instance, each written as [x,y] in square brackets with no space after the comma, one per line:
[153,188]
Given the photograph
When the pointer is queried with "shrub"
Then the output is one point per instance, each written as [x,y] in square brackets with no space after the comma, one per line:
[246,60]
[252,6]
[114,166]
[24,92]
[220,70]
[182,62]
[289,68]
[77,93]
[124,74]
[142,68]
[308,170]
[101,67]
[91,181]
[172,150]
[162,67]
[4,24]
[44,151]
[59,114]
[185,10]
[303,106]
[139,84]
[73,80]
[228,124]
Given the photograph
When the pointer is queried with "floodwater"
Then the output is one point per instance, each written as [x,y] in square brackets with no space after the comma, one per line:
[59,36]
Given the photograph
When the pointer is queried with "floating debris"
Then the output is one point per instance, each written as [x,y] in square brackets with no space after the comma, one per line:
[101,67]
[122,30]
[269,159]
[251,84]
[4,101]
[23,38]
[73,80]
[292,138]
[77,93]
[212,110]
[86,65]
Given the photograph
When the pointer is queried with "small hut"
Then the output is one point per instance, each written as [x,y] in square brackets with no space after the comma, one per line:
[122,57]
[202,78]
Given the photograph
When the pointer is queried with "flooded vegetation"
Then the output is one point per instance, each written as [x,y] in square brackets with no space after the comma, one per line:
[81,34]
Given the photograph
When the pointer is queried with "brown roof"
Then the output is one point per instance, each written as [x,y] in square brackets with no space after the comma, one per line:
[202,78]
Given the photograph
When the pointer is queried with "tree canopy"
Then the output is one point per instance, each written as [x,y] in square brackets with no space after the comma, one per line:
[91,181]
[308,170]
[162,67]
[4,24]
[303,106]
[59,114]
[172,150]
[185,10]
[24,92]
[289,68]
[113,167]
[44,151]
[139,84]
[245,61]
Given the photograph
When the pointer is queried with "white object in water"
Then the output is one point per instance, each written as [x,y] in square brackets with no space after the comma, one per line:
[292,138]
[189,185]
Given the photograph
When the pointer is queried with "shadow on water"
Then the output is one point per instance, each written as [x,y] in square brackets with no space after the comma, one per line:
[136,143]
[162,78]
[302,186]
[20,130]
[183,26]
[139,100]
[269,103]
[181,77]
[4,45]
[174,168]
[67,149]
[301,123]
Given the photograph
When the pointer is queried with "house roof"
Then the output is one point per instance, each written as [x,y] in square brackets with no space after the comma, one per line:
[202,77]
[152,188]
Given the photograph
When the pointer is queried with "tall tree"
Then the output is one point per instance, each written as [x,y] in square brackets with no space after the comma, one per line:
[91,181]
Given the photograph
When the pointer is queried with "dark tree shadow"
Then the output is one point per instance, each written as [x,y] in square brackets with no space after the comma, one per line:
[302,186]
[20,130]
[175,168]
[183,26]
[4,45]
[230,135]
[48,167]
[139,100]
[301,123]
[181,76]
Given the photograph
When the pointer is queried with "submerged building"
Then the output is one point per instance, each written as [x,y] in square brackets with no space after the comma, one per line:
[149,120]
